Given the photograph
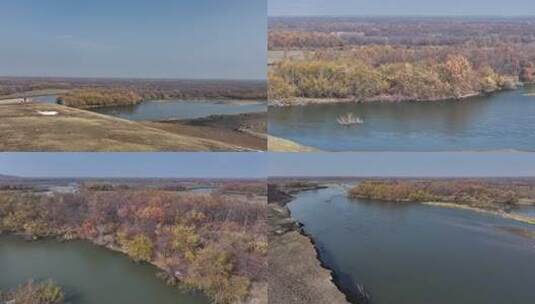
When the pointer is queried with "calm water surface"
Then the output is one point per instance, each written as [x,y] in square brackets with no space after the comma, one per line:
[45,99]
[501,121]
[90,274]
[417,254]
[181,109]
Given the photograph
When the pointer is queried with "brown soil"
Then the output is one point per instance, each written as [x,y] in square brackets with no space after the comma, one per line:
[245,130]
[295,274]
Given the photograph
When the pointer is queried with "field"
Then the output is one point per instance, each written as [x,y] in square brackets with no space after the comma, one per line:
[75,129]
[24,129]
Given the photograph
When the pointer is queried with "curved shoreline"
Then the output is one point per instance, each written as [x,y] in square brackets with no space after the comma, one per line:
[502,214]
[350,296]
[304,101]
[251,299]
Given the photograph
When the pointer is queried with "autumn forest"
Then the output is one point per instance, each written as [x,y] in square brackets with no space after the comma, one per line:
[395,59]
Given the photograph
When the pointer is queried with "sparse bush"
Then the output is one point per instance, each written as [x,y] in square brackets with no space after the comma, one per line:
[34,293]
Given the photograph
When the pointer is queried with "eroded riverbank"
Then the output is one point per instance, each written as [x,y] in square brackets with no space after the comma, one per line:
[296,273]
[392,249]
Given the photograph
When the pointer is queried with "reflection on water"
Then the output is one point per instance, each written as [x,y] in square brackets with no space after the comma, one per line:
[90,275]
[181,109]
[501,121]
[417,254]
[525,210]
[45,99]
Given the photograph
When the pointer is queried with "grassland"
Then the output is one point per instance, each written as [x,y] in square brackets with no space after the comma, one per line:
[24,129]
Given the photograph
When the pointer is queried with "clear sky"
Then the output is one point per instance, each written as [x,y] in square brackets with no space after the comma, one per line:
[217,39]
[400,7]
[207,165]
[456,164]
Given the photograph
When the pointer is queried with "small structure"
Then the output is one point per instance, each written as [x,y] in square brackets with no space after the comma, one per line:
[349,119]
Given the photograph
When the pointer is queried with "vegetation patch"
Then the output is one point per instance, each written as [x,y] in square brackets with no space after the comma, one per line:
[91,98]
[474,193]
[46,292]
[216,243]
[397,59]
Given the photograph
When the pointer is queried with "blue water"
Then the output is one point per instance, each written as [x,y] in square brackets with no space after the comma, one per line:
[45,99]
[418,254]
[501,121]
[181,109]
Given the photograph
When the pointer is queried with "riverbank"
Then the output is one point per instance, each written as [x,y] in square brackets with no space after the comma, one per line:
[496,197]
[357,239]
[296,273]
[71,129]
[245,130]
[278,144]
[189,236]
[301,101]
[503,214]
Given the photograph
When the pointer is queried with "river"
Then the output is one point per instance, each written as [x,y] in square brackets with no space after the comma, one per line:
[181,109]
[173,109]
[418,254]
[504,120]
[89,274]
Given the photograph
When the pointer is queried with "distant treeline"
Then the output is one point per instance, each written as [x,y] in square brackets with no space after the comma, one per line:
[317,61]
[316,32]
[146,88]
[90,98]
[475,193]
[212,242]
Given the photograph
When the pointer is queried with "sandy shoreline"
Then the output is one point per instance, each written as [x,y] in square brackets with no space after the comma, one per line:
[503,214]
[303,101]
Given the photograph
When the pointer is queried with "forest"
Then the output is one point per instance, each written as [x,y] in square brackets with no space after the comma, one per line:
[89,98]
[491,195]
[395,59]
[147,89]
[214,242]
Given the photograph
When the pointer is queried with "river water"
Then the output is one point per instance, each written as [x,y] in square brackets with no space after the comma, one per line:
[418,254]
[181,109]
[89,274]
[173,109]
[500,121]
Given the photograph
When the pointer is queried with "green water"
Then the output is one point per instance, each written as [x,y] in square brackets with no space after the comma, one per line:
[89,274]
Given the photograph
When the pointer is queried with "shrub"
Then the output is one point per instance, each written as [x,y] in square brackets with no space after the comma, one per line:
[35,293]
[139,248]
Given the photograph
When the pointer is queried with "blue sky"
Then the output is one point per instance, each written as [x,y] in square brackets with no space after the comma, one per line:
[498,164]
[134,38]
[401,7]
[209,165]
[260,165]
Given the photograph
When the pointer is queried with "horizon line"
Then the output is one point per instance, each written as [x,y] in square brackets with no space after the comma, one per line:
[136,78]
[408,15]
